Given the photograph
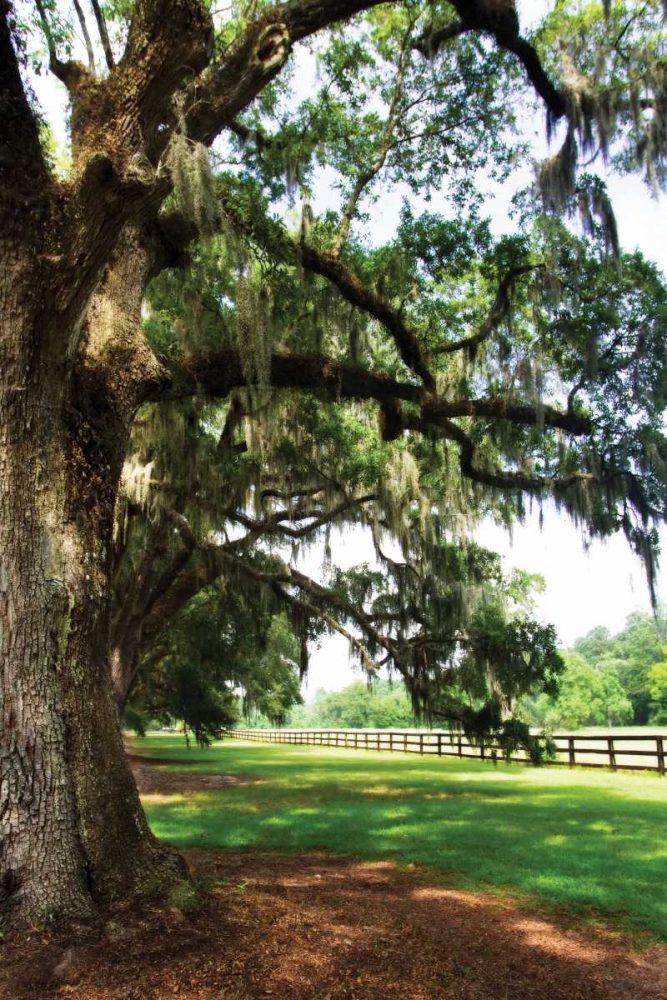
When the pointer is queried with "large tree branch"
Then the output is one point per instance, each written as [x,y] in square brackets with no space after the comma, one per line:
[407,341]
[256,58]
[499,20]
[323,599]
[218,373]
[171,587]
[499,311]
[328,265]
[494,477]
[22,166]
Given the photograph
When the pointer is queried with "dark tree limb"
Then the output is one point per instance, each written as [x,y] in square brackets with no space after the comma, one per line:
[500,21]
[104,35]
[216,374]
[275,523]
[22,164]
[431,41]
[257,57]
[499,311]
[407,342]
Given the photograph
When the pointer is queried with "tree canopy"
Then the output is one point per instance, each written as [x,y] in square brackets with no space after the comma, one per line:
[450,373]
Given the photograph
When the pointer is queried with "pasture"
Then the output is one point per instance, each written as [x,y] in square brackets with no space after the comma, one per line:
[590,842]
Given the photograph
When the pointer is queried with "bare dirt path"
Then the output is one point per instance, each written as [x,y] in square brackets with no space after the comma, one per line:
[321,928]
[151,779]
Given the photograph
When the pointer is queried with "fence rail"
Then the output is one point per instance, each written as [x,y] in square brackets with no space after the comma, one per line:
[621,752]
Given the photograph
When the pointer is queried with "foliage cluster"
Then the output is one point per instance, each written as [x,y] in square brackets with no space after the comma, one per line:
[609,680]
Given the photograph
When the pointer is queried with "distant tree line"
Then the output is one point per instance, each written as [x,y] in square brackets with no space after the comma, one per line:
[358,706]
[609,680]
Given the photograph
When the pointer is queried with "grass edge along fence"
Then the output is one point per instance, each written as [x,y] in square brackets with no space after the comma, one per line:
[573,750]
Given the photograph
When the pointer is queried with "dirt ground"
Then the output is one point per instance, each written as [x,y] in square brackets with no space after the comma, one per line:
[321,928]
[151,779]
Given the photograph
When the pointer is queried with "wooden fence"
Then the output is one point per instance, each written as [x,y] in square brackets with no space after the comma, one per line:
[635,753]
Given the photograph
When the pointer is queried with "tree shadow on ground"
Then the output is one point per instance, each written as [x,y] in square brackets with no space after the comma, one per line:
[320,928]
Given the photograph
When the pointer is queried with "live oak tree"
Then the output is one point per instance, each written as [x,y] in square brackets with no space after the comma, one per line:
[495,370]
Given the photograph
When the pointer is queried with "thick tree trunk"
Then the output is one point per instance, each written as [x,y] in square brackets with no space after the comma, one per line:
[72,830]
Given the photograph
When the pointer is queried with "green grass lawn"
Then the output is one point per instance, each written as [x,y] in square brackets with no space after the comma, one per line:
[593,841]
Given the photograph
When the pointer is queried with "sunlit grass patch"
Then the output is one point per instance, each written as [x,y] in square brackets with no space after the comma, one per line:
[590,841]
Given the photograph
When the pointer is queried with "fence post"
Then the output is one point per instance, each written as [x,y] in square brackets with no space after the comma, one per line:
[482,750]
[660,747]
[460,745]
[612,753]
[421,744]
[570,750]
[366,740]
[439,744]
[391,742]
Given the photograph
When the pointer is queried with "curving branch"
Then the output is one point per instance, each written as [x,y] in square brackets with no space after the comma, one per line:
[275,524]
[499,311]
[66,72]
[326,264]
[500,21]
[495,478]
[217,373]
[256,58]
[431,41]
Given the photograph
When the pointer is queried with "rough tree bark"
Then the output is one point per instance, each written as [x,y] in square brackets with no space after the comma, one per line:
[72,826]
[74,367]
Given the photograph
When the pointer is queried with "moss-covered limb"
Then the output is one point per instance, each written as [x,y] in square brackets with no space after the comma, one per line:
[319,601]
[164,581]
[316,517]
[499,311]
[219,372]
[256,57]
[339,274]
[499,19]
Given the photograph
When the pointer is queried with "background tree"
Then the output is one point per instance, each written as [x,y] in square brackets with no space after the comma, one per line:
[588,696]
[217,658]
[384,706]
[658,689]
[631,651]
[489,371]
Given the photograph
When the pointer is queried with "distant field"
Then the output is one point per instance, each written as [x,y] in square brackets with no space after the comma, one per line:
[591,841]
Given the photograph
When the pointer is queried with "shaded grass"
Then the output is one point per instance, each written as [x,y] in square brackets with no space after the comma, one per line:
[596,843]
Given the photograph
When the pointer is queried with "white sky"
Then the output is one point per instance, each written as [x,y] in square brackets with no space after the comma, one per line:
[583,589]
